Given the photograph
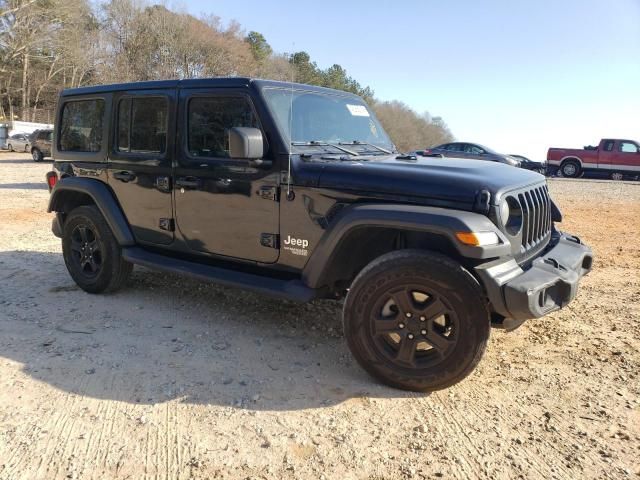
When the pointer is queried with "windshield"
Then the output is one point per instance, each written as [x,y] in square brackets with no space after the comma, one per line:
[325,118]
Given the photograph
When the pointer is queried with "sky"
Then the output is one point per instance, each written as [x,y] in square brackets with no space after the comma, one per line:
[516,76]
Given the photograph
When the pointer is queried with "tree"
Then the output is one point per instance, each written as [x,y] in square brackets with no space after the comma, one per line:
[260,49]
[407,129]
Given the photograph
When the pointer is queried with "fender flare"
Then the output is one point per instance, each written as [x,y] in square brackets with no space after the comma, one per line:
[571,157]
[414,218]
[102,197]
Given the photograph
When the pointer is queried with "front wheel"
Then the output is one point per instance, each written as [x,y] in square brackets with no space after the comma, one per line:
[10,147]
[91,253]
[617,176]
[37,155]
[416,320]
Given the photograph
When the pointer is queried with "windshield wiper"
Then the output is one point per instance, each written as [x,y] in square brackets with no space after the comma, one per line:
[357,142]
[314,143]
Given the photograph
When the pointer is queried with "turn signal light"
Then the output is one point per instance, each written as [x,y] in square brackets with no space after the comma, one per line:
[478,239]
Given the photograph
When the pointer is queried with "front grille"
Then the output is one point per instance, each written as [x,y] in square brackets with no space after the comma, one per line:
[536,216]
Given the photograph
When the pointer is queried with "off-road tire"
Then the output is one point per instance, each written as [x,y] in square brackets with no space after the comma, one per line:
[113,271]
[37,155]
[443,279]
[570,169]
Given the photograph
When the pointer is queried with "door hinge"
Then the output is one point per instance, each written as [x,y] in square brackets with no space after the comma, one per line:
[167,224]
[271,240]
[269,192]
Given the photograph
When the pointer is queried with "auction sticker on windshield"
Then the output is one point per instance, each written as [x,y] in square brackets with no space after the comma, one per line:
[358,110]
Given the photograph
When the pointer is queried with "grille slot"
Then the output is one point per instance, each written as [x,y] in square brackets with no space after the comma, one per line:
[536,216]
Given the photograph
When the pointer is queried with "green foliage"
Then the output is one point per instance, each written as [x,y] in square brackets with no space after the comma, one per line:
[306,71]
[260,49]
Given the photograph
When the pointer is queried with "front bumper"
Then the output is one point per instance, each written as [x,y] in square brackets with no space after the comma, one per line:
[550,282]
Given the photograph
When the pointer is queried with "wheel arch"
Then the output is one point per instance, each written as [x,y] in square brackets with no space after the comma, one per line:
[571,158]
[72,192]
[362,233]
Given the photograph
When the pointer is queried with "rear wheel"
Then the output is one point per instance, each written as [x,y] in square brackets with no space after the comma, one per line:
[10,147]
[570,169]
[617,176]
[416,320]
[37,155]
[91,252]
[26,148]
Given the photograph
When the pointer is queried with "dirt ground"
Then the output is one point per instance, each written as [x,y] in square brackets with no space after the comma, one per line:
[171,378]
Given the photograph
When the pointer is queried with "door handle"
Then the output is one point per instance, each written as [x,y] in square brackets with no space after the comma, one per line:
[187,182]
[124,176]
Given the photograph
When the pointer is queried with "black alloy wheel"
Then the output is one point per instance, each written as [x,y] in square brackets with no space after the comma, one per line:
[414,327]
[86,250]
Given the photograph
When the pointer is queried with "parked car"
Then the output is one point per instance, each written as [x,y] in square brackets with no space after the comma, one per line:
[296,191]
[540,167]
[471,150]
[41,144]
[18,142]
[612,158]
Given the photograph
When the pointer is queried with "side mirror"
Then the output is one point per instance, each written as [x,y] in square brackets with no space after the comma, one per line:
[246,143]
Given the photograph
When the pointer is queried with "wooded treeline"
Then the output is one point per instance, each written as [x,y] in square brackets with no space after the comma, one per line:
[48,45]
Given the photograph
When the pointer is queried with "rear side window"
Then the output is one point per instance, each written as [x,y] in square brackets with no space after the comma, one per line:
[608,145]
[142,125]
[81,126]
[209,120]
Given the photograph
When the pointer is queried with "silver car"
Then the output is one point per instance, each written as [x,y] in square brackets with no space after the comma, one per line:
[19,142]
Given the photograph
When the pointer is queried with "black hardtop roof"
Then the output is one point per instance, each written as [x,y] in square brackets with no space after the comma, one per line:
[197,83]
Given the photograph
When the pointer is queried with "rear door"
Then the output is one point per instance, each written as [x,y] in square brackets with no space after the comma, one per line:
[224,206]
[140,161]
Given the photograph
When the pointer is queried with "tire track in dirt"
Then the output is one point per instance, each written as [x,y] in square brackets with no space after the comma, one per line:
[471,417]
[444,431]
[534,412]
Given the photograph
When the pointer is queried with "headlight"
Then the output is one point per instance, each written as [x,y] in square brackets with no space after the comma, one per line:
[511,215]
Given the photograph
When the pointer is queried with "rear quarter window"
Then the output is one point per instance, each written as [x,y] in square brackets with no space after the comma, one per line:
[81,126]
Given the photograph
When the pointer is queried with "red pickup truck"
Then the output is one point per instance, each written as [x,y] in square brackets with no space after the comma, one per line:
[613,158]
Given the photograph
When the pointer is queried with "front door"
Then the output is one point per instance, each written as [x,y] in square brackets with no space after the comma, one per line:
[224,206]
[626,157]
[140,161]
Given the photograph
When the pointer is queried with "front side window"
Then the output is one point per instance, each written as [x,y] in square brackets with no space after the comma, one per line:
[628,147]
[209,121]
[473,149]
[142,125]
[81,126]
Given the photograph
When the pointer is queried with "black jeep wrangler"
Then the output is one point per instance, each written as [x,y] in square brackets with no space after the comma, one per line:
[297,192]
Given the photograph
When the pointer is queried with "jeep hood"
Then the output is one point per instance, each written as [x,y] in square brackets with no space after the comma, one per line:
[441,179]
